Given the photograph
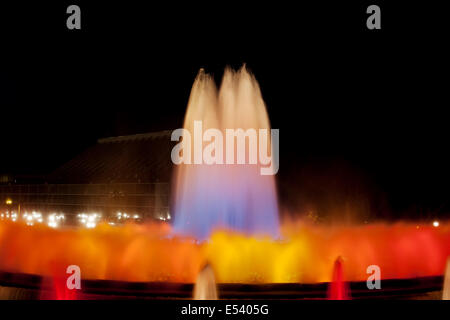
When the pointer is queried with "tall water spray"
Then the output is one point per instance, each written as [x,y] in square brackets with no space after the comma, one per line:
[225,196]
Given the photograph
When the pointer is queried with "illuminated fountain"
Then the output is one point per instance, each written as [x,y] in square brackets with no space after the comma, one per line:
[337,289]
[205,286]
[234,208]
[229,196]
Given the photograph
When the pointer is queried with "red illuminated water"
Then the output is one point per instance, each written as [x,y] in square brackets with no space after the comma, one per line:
[338,288]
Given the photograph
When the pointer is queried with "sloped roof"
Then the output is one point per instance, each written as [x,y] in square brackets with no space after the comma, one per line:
[135,158]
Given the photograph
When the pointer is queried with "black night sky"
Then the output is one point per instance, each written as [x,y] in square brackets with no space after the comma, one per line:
[360,113]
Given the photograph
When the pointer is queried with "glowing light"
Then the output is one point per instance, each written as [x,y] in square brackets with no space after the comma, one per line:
[89,220]
[8,201]
[436,224]
[90,224]
[54,219]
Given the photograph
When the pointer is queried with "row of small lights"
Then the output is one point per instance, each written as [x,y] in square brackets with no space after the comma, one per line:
[123,217]
[88,220]
[53,219]
[164,218]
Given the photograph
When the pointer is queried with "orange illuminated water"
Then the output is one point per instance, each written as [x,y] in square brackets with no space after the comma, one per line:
[306,255]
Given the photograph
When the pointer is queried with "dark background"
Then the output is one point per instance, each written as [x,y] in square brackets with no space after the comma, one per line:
[361,113]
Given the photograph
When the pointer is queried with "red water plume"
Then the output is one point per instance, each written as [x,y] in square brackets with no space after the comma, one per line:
[56,289]
[338,289]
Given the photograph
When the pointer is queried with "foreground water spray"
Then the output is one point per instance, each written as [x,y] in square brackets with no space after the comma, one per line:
[205,285]
[446,286]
